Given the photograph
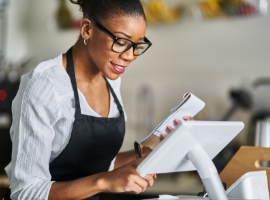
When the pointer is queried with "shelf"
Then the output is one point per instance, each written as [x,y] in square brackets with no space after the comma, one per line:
[214,9]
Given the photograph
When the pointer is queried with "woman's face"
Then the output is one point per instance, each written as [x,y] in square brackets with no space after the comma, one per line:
[108,62]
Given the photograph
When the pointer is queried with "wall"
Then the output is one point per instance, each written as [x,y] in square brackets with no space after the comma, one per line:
[17,30]
[207,58]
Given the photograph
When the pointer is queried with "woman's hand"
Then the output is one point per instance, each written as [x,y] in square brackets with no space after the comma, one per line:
[126,178]
[176,122]
[146,150]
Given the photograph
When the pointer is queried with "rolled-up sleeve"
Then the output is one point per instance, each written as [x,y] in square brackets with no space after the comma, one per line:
[35,111]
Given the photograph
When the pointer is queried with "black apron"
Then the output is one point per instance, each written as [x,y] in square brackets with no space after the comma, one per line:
[94,141]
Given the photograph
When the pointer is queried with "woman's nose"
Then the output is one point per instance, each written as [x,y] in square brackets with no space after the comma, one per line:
[127,55]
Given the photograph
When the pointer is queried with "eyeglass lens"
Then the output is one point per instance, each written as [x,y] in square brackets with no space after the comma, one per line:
[122,45]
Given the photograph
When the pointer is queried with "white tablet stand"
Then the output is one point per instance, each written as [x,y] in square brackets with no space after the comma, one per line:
[192,146]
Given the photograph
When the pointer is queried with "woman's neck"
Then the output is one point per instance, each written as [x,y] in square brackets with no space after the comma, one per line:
[84,68]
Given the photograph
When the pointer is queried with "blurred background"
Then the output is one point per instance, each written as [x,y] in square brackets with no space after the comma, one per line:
[215,49]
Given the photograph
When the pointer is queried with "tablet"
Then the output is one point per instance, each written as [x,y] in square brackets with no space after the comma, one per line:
[171,154]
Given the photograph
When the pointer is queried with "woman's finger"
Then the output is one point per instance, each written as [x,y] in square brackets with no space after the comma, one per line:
[137,189]
[163,135]
[142,183]
[169,128]
[150,179]
[177,121]
[188,118]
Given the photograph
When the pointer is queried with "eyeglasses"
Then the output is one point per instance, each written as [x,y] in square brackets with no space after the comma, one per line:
[121,45]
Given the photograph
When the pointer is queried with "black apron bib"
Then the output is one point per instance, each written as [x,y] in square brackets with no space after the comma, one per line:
[94,141]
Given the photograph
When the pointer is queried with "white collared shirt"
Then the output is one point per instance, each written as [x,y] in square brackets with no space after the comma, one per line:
[43,115]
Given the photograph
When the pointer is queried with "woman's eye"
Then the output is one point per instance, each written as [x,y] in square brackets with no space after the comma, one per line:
[121,43]
[140,47]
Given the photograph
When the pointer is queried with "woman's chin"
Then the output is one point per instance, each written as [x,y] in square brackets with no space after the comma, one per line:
[112,76]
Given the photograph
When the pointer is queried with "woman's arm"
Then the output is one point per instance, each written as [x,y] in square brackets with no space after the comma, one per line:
[123,158]
[122,179]
[77,189]
[34,111]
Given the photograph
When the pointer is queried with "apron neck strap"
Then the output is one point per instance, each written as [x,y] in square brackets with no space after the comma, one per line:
[114,96]
[71,71]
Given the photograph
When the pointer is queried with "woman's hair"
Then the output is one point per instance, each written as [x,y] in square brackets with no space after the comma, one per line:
[107,9]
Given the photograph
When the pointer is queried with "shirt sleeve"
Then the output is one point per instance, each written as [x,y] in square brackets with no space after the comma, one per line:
[112,165]
[35,110]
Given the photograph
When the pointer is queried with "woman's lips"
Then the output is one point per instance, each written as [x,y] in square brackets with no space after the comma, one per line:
[117,68]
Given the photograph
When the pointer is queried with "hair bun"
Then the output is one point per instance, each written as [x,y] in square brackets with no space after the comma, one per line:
[78,2]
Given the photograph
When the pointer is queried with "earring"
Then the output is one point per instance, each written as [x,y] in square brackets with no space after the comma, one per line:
[85,41]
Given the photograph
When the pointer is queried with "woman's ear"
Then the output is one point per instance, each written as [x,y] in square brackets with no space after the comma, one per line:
[86,28]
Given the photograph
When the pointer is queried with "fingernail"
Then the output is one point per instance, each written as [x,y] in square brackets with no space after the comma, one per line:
[177,121]
[163,135]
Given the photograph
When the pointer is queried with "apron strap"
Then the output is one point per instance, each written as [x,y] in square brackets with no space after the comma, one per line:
[120,109]
[71,71]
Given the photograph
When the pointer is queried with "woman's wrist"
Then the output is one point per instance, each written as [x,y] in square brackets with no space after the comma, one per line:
[145,150]
[101,182]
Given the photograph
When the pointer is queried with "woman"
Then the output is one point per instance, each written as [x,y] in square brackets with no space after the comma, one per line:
[68,119]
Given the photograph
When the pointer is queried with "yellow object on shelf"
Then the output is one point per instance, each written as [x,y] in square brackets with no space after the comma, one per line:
[157,11]
[228,8]
[211,8]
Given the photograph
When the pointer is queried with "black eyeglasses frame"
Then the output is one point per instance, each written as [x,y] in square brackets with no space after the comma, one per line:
[134,45]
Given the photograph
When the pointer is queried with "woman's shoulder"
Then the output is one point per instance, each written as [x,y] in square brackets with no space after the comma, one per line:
[50,73]
[48,67]
[52,70]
